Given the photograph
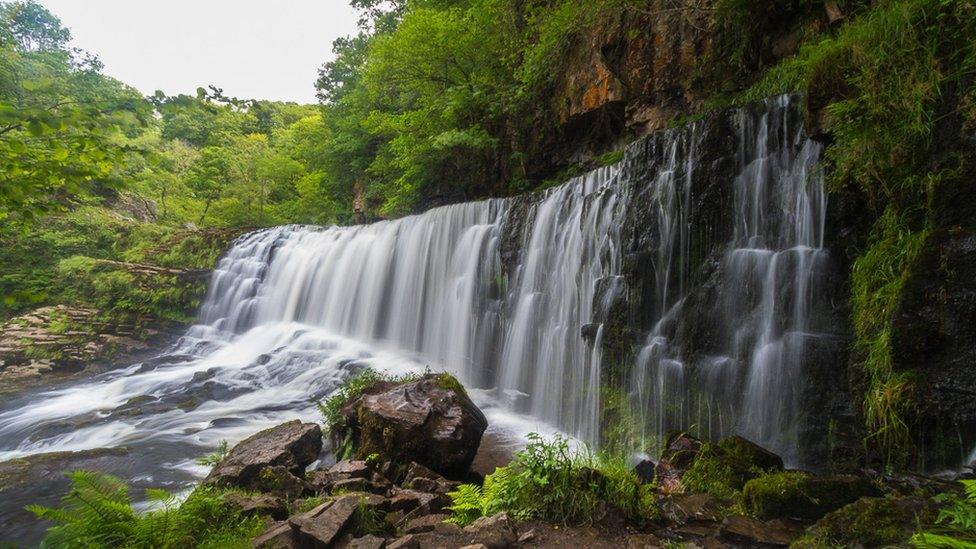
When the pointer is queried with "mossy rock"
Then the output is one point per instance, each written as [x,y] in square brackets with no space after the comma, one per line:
[869,522]
[801,495]
[723,469]
[429,420]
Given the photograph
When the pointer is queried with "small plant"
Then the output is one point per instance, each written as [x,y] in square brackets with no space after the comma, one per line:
[97,513]
[369,520]
[215,457]
[956,522]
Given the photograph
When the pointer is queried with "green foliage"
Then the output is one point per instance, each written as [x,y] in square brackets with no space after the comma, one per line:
[369,520]
[216,456]
[549,480]
[956,521]
[711,474]
[892,86]
[351,388]
[97,512]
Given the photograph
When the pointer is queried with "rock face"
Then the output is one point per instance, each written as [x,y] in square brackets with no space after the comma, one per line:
[431,421]
[270,459]
[53,343]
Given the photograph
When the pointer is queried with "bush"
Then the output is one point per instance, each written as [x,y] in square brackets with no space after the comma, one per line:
[97,513]
[549,480]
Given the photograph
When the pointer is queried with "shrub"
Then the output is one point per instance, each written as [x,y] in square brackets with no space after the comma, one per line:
[549,480]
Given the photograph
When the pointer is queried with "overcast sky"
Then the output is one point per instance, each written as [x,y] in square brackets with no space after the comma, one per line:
[261,49]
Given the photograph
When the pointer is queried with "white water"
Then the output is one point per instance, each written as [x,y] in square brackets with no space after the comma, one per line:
[291,311]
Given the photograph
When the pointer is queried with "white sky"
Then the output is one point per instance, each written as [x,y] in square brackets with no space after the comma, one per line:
[260,49]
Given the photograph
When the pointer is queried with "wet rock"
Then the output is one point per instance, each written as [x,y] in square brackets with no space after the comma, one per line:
[291,446]
[431,421]
[277,536]
[325,524]
[740,529]
[645,471]
[800,495]
[495,532]
[258,504]
[351,469]
[678,455]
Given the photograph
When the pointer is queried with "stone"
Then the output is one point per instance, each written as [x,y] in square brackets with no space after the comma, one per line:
[800,495]
[410,500]
[325,524]
[496,531]
[293,446]
[680,509]
[746,530]
[871,522]
[475,546]
[367,542]
[259,504]
[679,453]
[406,542]
[351,469]
[426,523]
[750,454]
[527,536]
[645,471]
[430,421]
[277,536]
[279,481]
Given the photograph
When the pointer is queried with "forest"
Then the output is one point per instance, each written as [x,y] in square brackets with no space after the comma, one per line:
[663,273]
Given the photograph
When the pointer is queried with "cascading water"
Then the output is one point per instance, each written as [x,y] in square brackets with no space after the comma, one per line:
[764,283]
[291,311]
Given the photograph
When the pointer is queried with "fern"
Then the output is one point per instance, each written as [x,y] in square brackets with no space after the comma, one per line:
[212,459]
[956,520]
[467,504]
[97,513]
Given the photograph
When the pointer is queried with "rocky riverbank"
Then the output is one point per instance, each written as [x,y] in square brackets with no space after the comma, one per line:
[402,493]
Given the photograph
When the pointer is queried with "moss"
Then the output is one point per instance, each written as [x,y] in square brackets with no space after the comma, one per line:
[796,494]
[449,383]
[713,473]
[868,522]
[723,469]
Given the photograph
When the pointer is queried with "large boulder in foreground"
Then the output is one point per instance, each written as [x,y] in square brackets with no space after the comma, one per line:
[285,450]
[430,421]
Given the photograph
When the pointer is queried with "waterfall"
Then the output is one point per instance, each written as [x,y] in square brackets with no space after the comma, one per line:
[749,381]
[514,296]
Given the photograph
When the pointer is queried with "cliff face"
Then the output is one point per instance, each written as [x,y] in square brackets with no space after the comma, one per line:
[646,70]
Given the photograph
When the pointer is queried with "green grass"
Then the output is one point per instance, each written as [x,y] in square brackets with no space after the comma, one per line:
[97,512]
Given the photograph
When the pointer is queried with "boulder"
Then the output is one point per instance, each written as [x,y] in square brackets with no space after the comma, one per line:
[279,481]
[871,522]
[724,468]
[495,532]
[291,447]
[800,495]
[680,509]
[430,421]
